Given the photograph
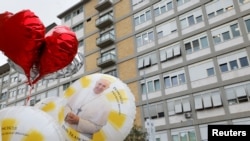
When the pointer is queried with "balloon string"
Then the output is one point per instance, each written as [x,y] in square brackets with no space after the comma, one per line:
[27,102]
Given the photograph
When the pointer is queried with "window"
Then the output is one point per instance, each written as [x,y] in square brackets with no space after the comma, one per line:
[151,85]
[233,65]
[77,27]
[108,55]
[201,70]
[216,8]
[154,111]
[235,30]
[166,28]
[188,135]
[244,62]
[233,61]
[147,61]
[238,93]
[162,7]
[195,44]
[14,78]
[144,38]
[169,53]
[178,106]
[174,79]
[135,2]
[67,17]
[223,67]
[225,33]
[112,72]
[191,18]
[243,1]
[181,2]
[210,72]
[247,22]
[3,95]
[78,11]
[208,99]
[142,17]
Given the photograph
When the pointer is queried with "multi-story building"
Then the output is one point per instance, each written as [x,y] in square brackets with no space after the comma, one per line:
[186,61]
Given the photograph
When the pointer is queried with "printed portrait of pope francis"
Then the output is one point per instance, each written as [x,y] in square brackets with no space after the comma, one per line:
[87,111]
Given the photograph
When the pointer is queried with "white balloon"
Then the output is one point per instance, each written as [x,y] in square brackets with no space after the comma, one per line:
[24,123]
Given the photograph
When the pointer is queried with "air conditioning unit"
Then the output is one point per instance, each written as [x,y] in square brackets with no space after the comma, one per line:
[187,115]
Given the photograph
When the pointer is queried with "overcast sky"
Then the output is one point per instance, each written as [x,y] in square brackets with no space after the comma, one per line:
[46,10]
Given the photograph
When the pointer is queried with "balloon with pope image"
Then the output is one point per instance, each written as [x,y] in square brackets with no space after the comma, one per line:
[96,107]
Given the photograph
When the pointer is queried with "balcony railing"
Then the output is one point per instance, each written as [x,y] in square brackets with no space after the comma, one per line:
[103,4]
[104,21]
[107,60]
[105,40]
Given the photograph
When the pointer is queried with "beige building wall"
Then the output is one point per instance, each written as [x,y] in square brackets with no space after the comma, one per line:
[138,120]
[89,8]
[89,26]
[90,43]
[125,48]
[123,7]
[123,28]
[127,70]
[90,62]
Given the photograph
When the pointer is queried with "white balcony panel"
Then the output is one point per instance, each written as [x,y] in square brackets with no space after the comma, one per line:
[229,43]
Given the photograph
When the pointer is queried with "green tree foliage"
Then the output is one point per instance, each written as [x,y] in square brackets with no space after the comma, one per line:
[136,134]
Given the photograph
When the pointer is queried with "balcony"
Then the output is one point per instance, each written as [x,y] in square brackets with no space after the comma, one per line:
[105,40]
[104,21]
[103,4]
[107,60]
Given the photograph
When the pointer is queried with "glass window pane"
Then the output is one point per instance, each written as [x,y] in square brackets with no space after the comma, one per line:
[150,87]
[188,48]
[226,36]
[182,79]
[138,41]
[151,36]
[136,21]
[223,67]
[244,62]
[183,137]
[220,11]
[169,5]
[191,20]
[204,42]
[235,30]
[160,34]
[157,11]
[143,88]
[142,18]
[163,9]
[210,72]
[157,85]
[216,39]
[174,80]
[233,65]
[183,23]
[148,15]
[211,15]
[175,137]
[167,82]
[247,22]
[196,45]
[145,38]
[191,136]
[199,19]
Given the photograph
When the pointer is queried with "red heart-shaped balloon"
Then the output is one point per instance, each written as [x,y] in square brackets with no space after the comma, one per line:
[21,37]
[60,49]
